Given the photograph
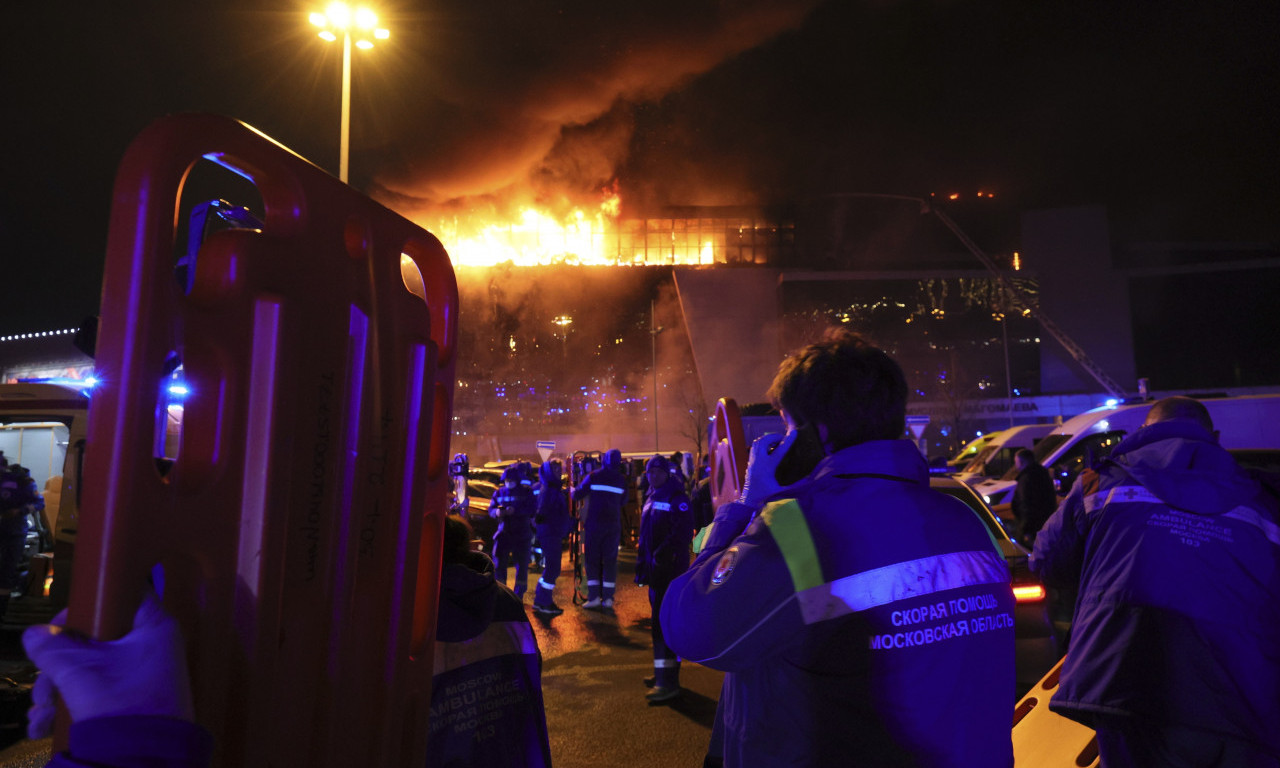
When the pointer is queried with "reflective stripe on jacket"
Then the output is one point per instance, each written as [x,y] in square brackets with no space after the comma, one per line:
[865,620]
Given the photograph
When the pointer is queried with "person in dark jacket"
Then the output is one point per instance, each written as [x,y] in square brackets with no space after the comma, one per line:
[553,523]
[1033,497]
[515,506]
[483,634]
[666,529]
[604,491]
[19,498]
[862,618]
[1175,649]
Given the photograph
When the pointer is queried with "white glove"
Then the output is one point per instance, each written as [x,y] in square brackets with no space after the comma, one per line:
[762,466]
[142,673]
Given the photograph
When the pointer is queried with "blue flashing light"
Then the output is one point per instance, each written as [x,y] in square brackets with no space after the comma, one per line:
[180,390]
[1017,392]
[92,381]
[1111,402]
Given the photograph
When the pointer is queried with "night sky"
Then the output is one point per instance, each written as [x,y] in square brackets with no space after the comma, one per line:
[1163,112]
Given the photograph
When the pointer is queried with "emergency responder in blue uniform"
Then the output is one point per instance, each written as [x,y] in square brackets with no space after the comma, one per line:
[1175,649]
[862,618]
[666,530]
[487,662]
[604,490]
[552,521]
[514,505]
[18,498]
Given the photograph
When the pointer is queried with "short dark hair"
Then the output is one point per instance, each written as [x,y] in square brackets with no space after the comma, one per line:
[456,547]
[843,382]
[1179,407]
[1027,455]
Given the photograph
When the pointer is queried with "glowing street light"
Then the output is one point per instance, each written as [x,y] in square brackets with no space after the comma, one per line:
[564,321]
[358,24]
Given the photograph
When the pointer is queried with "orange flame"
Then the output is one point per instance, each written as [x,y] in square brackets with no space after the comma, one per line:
[585,236]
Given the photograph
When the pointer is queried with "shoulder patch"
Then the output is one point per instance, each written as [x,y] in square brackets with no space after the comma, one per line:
[724,568]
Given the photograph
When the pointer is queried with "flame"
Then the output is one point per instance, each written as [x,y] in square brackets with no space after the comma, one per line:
[593,235]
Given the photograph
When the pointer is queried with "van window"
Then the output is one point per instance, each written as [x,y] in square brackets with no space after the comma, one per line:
[1046,446]
[1093,448]
[994,461]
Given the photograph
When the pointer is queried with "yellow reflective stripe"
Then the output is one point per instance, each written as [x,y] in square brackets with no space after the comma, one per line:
[502,638]
[790,530]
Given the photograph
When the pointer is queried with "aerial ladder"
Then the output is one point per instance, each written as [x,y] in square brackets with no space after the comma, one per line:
[1016,295]
[1021,301]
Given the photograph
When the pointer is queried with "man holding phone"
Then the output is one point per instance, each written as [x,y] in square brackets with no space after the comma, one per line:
[862,618]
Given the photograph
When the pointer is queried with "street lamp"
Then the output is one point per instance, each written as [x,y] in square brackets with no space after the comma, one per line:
[564,321]
[654,330]
[362,25]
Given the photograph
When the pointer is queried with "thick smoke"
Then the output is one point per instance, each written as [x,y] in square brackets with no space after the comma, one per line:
[531,105]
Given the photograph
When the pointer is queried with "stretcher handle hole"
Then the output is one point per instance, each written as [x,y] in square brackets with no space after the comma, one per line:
[1024,709]
[412,277]
[171,399]
[1089,755]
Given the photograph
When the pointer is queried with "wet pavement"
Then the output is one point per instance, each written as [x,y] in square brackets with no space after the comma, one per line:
[593,664]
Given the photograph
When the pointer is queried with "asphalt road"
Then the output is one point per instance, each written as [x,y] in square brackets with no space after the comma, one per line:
[593,664]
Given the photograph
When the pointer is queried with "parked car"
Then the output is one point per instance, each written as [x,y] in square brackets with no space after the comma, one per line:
[1036,638]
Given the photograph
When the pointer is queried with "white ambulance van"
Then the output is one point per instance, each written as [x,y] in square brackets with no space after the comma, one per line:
[1245,423]
[996,457]
[42,427]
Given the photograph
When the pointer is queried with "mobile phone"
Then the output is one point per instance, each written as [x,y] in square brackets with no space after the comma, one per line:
[803,455]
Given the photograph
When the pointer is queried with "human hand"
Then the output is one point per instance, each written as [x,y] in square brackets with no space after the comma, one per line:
[142,673]
[762,466]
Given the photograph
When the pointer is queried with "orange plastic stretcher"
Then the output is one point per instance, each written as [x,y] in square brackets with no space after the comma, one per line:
[1044,739]
[728,450]
[299,525]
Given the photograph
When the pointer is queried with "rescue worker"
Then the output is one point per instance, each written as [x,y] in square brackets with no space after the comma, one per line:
[514,506]
[862,618]
[1033,498]
[1175,649]
[552,520]
[18,499]
[483,636]
[604,492]
[666,530]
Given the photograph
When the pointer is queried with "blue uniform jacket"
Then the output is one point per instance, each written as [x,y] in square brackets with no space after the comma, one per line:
[486,693]
[1176,551]
[515,508]
[552,518]
[605,490]
[864,620]
[135,741]
[666,529]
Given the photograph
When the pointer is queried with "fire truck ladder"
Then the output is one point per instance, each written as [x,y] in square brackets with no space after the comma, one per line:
[1020,300]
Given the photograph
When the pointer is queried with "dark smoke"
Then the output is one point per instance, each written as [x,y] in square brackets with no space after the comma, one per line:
[531,104]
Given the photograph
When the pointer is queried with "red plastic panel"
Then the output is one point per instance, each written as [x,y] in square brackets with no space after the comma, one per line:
[300,525]
[728,453]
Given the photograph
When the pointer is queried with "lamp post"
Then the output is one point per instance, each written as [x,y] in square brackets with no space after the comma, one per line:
[654,330]
[564,321]
[362,25]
